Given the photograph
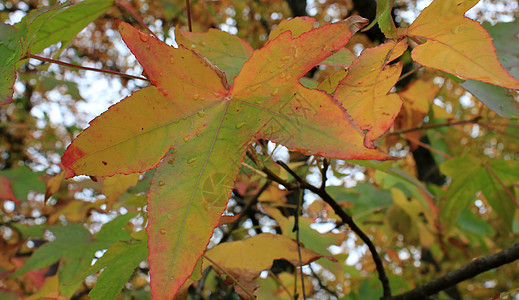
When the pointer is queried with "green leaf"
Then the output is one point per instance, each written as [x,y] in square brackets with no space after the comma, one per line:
[61,23]
[10,52]
[119,261]
[470,222]
[469,176]
[23,180]
[75,246]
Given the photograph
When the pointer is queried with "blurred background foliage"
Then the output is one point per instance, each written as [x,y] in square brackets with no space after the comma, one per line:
[450,198]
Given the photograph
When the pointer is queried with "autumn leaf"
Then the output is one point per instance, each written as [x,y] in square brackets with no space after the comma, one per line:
[456,44]
[196,129]
[226,51]
[364,90]
[116,185]
[253,255]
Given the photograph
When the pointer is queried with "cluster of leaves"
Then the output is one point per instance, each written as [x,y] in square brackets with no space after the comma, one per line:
[188,156]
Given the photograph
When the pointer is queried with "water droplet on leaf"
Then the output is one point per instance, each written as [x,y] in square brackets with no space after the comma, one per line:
[192,160]
[274,92]
[144,37]
[240,125]
[162,231]
[201,113]
[255,88]
[196,97]
[161,183]
[186,138]
[171,60]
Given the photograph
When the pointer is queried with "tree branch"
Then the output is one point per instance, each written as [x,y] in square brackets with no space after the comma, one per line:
[348,220]
[50,60]
[466,272]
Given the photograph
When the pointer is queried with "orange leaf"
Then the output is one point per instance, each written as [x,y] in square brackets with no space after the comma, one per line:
[363,92]
[226,51]
[195,129]
[245,260]
[457,45]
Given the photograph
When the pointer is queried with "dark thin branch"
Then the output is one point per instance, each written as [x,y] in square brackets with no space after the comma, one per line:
[50,60]
[321,283]
[431,126]
[409,73]
[466,272]
[253,201]
[126,6]
[188,8]
[348,220]
[296,229]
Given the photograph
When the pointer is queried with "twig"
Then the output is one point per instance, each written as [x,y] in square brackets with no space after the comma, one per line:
[320,282]
[409,73]
[348,220]
[244,212]
[188,8]
[430,126]
[276,279]
[50,60]
[125,5]
[466,272]
[230,276]
[296,229]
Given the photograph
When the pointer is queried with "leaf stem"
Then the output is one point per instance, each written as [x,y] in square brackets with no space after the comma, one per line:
[126,6]
[62,63]
[230,276]
[348,220]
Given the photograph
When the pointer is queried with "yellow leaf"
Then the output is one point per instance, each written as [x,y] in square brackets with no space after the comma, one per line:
[363,92]
[296,26]
[116,185]
[419,94]
[457,45]
[244,260]
[52,185]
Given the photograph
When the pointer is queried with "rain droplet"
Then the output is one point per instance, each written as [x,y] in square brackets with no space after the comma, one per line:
[161,183]
[256,87]
[163,231]
[201,113]
[456,29]
[196,97]
[240,125]
[144,37]
[282,76]
[204,44]
[172,60]
[192,160]
[274,92]
[281,66]
[171,278]
[296,52]
[285,58]
[186,138]
[193,46]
